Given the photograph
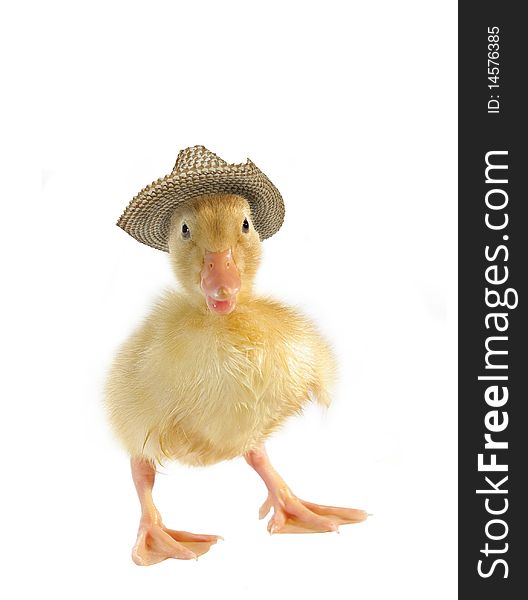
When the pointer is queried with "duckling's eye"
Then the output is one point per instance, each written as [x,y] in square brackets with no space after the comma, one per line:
[245,226]
[186,232]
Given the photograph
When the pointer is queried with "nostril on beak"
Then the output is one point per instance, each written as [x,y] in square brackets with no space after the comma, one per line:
[211,266]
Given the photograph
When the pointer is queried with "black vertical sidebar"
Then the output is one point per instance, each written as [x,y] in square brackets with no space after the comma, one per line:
[493,331]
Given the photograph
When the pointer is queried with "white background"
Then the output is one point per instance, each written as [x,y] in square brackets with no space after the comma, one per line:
[350,109]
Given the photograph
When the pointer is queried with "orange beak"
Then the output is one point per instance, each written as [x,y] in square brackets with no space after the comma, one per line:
[220,281]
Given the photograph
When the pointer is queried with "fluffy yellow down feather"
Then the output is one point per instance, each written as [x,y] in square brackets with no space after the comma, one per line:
[198,387]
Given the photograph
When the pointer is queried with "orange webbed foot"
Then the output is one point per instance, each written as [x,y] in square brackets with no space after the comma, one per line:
[293,515]
[155,543]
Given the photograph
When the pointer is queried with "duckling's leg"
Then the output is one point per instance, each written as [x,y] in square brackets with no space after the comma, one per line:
[154,541]
[291,514]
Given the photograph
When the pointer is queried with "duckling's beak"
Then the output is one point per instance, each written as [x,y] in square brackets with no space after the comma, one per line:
[220,281]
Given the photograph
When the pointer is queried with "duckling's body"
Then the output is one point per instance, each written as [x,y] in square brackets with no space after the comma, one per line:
[202,388]
[213,371]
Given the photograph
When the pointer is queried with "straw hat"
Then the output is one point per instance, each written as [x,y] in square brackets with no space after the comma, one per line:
[198,171]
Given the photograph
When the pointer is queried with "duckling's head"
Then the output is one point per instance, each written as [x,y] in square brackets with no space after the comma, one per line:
[215,250]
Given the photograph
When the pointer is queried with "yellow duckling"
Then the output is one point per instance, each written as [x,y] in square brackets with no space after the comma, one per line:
[214,370]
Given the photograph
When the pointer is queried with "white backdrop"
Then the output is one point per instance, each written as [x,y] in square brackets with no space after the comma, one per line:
[350,109]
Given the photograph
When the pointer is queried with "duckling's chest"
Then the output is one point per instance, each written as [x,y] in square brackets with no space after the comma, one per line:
[250,377]
[226,390]
[223,368]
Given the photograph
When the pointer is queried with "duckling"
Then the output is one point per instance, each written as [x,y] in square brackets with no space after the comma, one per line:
[213,371]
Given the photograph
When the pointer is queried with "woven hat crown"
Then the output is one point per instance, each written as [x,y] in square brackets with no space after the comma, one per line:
[197,158]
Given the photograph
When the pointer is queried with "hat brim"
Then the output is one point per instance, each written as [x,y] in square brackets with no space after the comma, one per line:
[147,217]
